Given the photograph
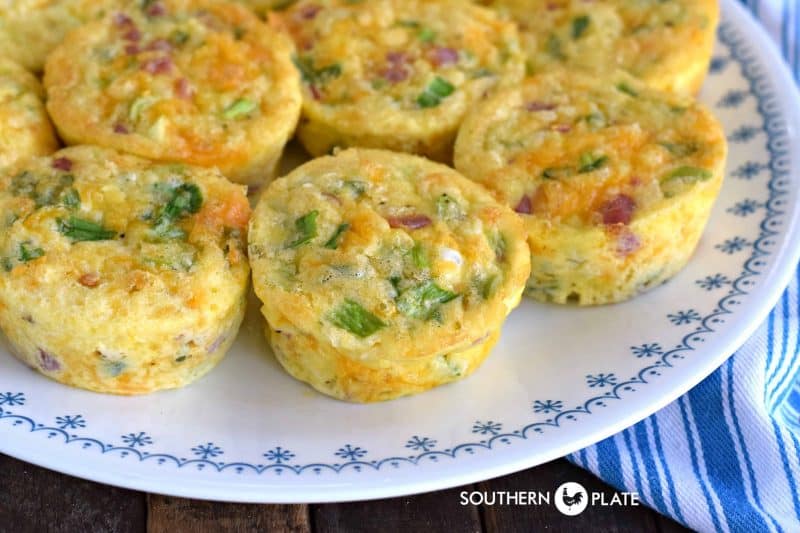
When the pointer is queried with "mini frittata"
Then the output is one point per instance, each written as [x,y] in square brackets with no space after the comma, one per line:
[667,43]
[615,181]
[30,29]
[120,275]
[262,6]
[383,274]
[190,81]
[396,74]
[25,129]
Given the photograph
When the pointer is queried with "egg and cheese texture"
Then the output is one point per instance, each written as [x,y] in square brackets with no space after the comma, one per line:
[615,181]
[25,129]
[192,81]
[120,275]
[262,6]
[30,29]
[383,274]
[667,43]
[396,74]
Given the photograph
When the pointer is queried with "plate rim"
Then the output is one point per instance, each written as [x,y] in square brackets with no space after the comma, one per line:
[775,281]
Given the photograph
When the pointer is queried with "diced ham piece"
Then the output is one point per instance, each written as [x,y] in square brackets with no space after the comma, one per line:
[48,362]
[397,70]
[161,45]
[309,11]
[395,74]
[627,242]
[409,221]
[121,19]
[132,49]
[156,10]
[133,35]
[618,210]
[157,65]
[539,106]
[396,57]
[525,206]
[442,55]
[183,89]
[62,163]
[89,280]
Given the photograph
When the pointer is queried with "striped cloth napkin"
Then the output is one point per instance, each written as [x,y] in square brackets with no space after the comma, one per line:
[726,456]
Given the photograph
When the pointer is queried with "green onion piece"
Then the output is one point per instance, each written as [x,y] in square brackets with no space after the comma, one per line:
[688,174]
[351,316]
[590,163]
[438,89]
[80,230]
[489,286]
[333,242]
[426,35]
[553,46]
[71,199]
[674,181]
[627,89]
[447,208]
[680,150]
[419,257]
[306,228]
[595,120]
[499,245]
[556,173]
[186,199]
[239,108]
[579,26]
[29,254]
[315,76]
[179,37]
[358,187]
[423,301]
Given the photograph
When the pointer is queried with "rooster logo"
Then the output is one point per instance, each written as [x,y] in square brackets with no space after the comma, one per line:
[575,499]
[571,499]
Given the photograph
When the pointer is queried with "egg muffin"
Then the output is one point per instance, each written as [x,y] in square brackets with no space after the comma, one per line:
[25,129]
[396,74]
[614,180]
[30,29]
[118,274]
[383,274]
[190,81]
[667,44]
[262,6]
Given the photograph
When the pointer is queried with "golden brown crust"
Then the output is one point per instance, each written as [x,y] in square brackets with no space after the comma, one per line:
[203,83]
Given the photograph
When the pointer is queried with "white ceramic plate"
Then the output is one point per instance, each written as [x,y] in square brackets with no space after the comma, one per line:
[561,378]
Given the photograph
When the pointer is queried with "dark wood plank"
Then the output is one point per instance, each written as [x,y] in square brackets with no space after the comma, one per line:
[547,478]
[34,499]
[176,515]
[431,513]
[667,525]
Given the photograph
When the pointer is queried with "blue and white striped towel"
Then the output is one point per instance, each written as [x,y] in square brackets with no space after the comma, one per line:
[726,456]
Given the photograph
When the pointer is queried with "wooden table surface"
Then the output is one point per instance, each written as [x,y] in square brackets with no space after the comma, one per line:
[33,499]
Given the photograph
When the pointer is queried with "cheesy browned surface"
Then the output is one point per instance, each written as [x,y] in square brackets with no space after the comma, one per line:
[383,274]
[117,274]
[396,74]
[25,128]
[198,82]
[667,43]
[31,29]
[615,181]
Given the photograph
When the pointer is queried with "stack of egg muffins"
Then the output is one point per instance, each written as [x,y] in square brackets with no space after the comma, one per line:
[466,154]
